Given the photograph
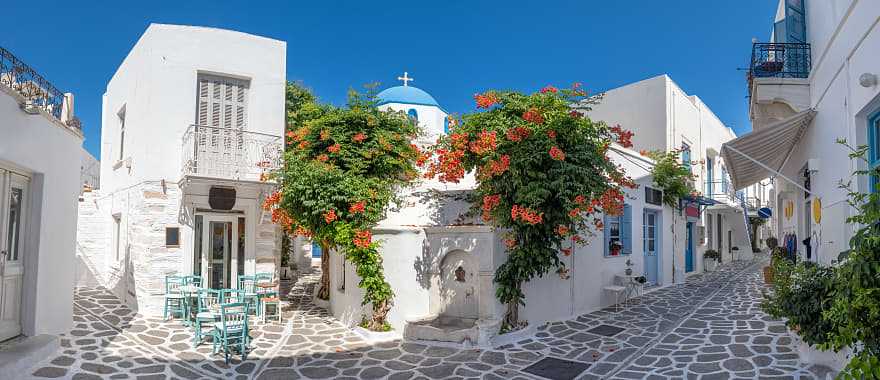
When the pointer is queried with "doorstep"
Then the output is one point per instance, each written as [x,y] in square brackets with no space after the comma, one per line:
[22,355]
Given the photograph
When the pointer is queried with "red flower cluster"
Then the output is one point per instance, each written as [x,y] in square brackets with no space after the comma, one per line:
[549,89]
[330,216]
[495,167]
[575,114]
[574,212]
[323,157]
[486,100]
[359,137]
[302,231]
[517,134]
[510,243]
[489,203]
[271,200]
[533,116]
[358,207]
[334,148]
[485,143]
[526,214]
[566,251]
[299,134]
[362,239]
[612,202]
[562,230]
[624,137]
[303,144]
[557,153]
[551,134]
[580,199]
[448,165]
[325,134]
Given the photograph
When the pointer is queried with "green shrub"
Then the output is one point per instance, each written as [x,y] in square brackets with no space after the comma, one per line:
[801,293]
[712,254]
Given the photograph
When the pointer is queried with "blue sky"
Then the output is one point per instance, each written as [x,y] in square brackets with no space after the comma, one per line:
[453,49]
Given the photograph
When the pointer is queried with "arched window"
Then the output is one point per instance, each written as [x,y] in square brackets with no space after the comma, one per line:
[446,125]
[413,114]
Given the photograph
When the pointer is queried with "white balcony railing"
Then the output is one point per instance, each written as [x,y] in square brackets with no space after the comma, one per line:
[227,153]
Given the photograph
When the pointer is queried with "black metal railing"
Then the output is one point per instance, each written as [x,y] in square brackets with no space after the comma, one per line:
[780,60]
[37,91]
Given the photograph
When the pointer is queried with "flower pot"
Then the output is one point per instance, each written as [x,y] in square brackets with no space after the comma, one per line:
[711,264]
[768,275]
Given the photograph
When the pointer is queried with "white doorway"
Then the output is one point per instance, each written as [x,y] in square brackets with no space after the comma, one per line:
[13,211]
[218,254]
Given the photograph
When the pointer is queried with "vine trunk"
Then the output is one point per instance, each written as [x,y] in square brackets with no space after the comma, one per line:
[324,290]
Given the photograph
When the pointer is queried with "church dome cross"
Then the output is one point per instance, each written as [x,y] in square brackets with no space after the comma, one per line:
[405,78]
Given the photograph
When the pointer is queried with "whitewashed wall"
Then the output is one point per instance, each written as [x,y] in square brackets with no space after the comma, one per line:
[845,43]
[49,153]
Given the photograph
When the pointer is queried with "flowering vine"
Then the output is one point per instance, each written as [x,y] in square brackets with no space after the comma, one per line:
[543,176]
[341,169]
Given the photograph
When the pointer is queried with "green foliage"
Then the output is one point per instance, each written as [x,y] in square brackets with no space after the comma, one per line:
[671,176]
[801,293]
[711,254]
[341,170]
[855,313]
[543,176]
[840,307]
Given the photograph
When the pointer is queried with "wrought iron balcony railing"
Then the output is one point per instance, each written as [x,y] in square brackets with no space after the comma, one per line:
[780,60]
[230,153]
[722,191]
[38,92]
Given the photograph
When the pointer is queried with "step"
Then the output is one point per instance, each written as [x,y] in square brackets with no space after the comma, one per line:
[23,355]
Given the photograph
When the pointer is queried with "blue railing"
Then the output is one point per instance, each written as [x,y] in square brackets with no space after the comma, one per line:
[780,60]
[37,91]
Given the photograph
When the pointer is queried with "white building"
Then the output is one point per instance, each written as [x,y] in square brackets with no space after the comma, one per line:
[39,186]
[663,118]
[90,171]
[813,83]
[440,264]
[192,120]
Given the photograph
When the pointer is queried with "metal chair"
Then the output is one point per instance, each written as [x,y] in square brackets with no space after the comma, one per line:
[231,332]
[174,299]
[209,301]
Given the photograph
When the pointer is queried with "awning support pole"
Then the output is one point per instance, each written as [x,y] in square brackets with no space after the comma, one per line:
[761,164]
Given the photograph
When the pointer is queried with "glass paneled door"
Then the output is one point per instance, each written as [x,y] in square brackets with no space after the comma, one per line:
[217,255]
[13,209]
[652,246]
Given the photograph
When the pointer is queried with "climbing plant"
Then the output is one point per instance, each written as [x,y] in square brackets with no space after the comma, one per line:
[340,172]
[671,175]
[543,176]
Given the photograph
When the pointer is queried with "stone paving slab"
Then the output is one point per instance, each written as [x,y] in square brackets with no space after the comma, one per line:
[710,327]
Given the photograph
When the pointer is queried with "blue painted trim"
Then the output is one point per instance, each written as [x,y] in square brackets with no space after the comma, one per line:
[873,147]
[382,103]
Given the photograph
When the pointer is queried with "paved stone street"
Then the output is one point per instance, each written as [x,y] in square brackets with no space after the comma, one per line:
[711,327]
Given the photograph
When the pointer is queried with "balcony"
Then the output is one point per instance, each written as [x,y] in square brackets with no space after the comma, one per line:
[38,93]
[231,154]
[778,81]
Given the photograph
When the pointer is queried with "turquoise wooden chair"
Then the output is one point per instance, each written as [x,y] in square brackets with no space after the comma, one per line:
[264,292]
[174,299]
[231,332]
[193,280]
[248,285]
[209,301]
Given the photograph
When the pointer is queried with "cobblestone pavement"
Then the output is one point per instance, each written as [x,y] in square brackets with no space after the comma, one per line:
[711,327]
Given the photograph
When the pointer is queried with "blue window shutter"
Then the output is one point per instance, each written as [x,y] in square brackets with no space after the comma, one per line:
[795,22]
[413,113]
[446,125]
[626,229]
[607,231]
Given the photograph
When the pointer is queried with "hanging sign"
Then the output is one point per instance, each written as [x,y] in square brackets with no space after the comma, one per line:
[221,198]
[789,209]
[765,212]
[817,210]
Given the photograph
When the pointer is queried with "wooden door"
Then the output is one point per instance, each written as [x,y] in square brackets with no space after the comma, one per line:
[13,210]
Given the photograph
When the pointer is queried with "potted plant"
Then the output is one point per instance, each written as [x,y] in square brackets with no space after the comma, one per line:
[629,270]
[710,259]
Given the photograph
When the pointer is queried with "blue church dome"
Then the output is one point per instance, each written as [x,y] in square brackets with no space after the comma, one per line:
[406,95]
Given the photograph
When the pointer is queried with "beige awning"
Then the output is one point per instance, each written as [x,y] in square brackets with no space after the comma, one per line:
[760,154]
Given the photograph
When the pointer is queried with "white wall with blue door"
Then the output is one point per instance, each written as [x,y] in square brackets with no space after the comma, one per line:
[595,265]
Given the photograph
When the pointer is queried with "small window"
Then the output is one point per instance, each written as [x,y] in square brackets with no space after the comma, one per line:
[618,233]
[121,116]
[172,237]
[874,149]
[686,155]
[413,114]
[653,196]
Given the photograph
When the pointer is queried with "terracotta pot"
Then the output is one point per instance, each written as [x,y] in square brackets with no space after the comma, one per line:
[768,275]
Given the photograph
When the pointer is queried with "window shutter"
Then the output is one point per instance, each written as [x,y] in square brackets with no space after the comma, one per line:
[626,229]
[222,102]
[607,232]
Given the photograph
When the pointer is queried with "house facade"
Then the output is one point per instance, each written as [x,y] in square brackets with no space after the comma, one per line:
[192,122]
[813,82]
[39,185]
[440,262]
[664,117]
